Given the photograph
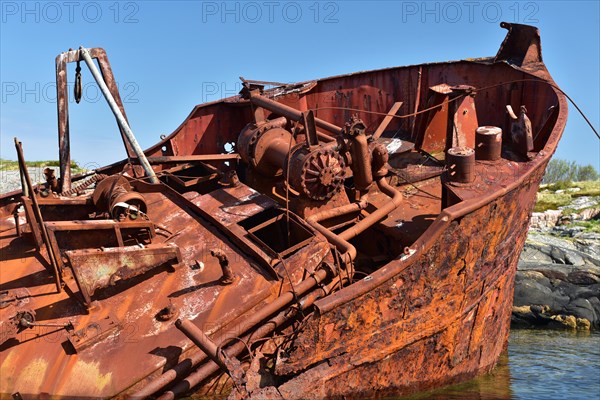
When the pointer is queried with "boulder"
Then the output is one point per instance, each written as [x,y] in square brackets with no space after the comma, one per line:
[557,283]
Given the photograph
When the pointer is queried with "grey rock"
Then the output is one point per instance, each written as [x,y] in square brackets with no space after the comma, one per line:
[573,258]
[558,255]
[589,243]
[568,231]
[582,202]
[533,288]
[583,278]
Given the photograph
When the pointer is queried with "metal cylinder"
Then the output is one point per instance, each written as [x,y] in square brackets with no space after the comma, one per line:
[488,143]
[115,195]
[265,147]
[460,162]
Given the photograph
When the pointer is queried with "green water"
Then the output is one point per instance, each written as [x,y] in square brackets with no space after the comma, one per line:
[539,364]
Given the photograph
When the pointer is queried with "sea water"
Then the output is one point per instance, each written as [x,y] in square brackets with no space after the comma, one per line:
[539,365]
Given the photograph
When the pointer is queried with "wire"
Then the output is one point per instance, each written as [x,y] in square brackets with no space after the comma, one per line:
[466,94]
[416,187]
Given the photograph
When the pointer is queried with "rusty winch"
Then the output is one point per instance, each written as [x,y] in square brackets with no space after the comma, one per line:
[115,196]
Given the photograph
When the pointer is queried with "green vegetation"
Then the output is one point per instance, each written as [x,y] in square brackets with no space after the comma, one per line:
[562,171]
[13,165]
[592,225]
[549,199]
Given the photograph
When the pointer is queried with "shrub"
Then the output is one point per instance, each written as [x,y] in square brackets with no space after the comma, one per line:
[568,171]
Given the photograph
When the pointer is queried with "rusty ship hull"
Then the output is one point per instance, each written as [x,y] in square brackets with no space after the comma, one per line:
[349,237]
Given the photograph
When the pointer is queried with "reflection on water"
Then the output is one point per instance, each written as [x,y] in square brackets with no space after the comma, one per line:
[554,365]
[540,364]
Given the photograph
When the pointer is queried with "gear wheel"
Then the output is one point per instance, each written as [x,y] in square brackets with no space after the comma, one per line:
[322,172]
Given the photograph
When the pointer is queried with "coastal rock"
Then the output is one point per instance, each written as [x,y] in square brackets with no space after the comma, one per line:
[557,283]
[589,213]
[546,219]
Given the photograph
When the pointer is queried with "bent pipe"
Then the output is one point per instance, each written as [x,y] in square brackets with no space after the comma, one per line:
[396,200]
[196,358]
[209,368]
[347,250]
[340,241]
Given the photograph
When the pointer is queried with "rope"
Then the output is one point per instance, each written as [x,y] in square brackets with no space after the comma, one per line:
[466,94]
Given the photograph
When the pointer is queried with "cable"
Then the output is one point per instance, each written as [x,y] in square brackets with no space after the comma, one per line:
[466,94]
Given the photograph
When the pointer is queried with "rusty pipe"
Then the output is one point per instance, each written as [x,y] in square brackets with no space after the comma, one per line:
[295,115]
[341,241]
[203,342]
[238,347]
[339,211]
[396,199]
[347,250]
[277,305]
[361,162]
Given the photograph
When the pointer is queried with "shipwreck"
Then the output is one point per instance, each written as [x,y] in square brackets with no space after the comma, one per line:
[348,237]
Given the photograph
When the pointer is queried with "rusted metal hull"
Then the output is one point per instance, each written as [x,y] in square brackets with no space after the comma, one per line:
[375,269]
[442,318]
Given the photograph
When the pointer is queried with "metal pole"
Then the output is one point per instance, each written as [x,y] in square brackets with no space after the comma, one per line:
[120,118]
[38,214]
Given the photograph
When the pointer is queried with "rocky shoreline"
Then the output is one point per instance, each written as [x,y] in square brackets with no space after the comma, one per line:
[558,277]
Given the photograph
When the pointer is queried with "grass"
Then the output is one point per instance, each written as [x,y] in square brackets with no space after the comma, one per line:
[7,165]
[548,199]
[551,201]
[588,188]
[592,225]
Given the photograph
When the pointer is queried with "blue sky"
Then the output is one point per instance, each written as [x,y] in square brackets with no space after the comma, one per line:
[169,56]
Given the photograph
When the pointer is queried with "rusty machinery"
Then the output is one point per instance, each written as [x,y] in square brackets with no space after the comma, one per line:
[317,166]
[108,227]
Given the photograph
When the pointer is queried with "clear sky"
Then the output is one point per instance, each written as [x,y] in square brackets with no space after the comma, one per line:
[168,56]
